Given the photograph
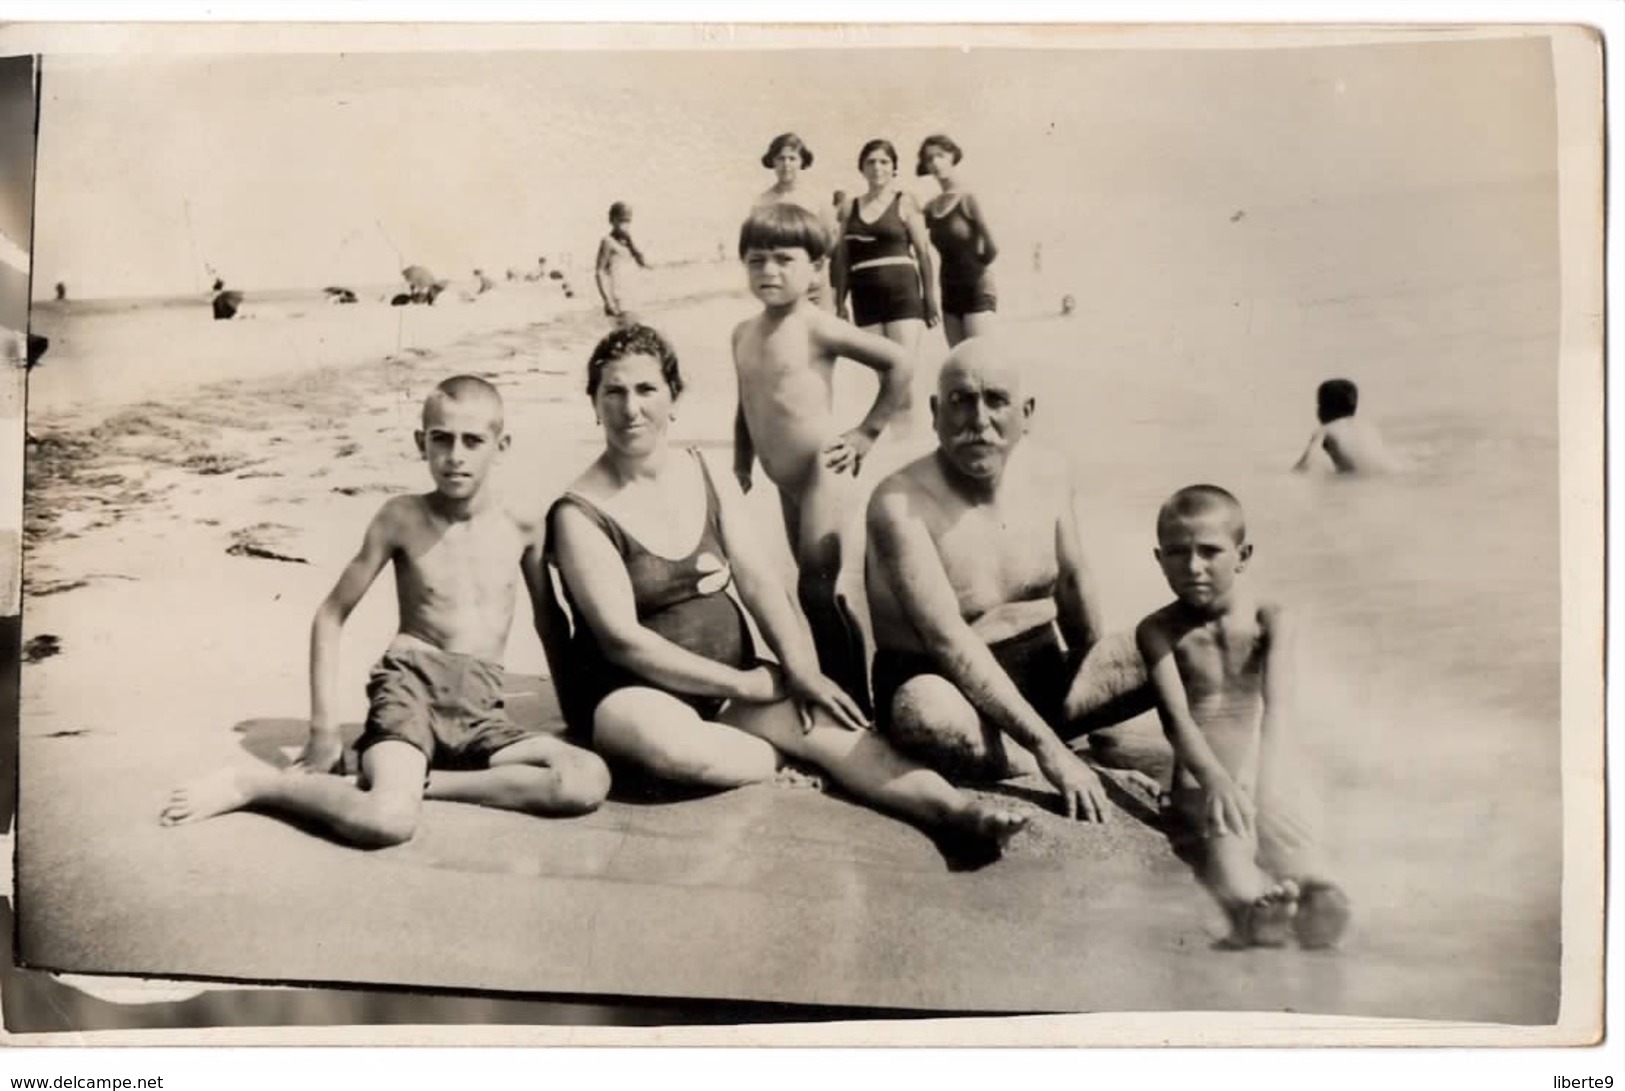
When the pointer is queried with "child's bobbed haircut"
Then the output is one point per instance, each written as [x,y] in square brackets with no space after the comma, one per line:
[618,211]
[783,141]
[1336,399]
[769,227]
[633,340]
[878,144]
[936,140]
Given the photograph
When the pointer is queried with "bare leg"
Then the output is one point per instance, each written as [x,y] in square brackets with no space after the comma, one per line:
[933,722]
[867,766]
[826,501]
[379,810]
[906,333]
[541,775]
[1289,848]
[953,327]
[977,324]
[1260,910]
[1111,686]
[653,730]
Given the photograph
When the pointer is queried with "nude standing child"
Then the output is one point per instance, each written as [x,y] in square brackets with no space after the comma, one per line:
[1221,665]
[785,360]
[436,727]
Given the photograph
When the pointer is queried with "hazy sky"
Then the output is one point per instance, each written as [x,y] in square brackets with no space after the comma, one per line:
[286,170]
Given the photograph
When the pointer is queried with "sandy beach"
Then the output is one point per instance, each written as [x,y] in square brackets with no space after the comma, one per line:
[177,546]
[1231,226]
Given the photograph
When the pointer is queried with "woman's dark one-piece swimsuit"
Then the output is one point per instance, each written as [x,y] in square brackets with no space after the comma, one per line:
[967,284]
[683,600]
[881,293]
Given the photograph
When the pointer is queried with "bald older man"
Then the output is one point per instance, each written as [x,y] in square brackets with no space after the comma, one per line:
[975,574]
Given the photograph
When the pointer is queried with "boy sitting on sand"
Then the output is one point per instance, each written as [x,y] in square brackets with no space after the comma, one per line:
[1354,446]
[1220,663]
[436,727]
[785,358]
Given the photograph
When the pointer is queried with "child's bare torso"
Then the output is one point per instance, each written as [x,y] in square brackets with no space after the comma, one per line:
[455,579]
[1221,666]
[785,390]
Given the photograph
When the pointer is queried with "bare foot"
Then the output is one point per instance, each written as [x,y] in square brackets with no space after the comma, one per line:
[974,835]
[1323,915]
[1266,921]
[216,793]
[984,820]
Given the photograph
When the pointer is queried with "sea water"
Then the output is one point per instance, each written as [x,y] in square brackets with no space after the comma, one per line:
[1430,601]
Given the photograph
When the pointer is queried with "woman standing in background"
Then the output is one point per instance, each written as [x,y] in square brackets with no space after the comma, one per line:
[883,263]
[963,242]
[787,156]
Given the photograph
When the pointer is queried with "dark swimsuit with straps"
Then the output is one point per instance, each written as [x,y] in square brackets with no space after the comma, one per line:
[967,285]
[881,293]
[684,600]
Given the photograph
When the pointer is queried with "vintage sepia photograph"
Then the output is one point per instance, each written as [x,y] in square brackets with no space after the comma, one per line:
[645,526]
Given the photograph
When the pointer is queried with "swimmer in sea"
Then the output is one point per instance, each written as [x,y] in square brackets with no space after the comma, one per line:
[1352,445]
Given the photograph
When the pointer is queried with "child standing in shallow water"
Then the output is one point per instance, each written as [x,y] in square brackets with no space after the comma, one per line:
[1220,664]
[436,727]
[785,359]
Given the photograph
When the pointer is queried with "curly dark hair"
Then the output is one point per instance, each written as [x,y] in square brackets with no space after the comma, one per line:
[633,340]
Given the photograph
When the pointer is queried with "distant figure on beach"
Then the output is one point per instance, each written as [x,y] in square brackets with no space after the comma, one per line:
[1068,305]
[422,285]
[975,576]
[787,156]
[654,661]
[61,292]
[337,294]
[1350,444]
[785,361]
[882,263]
[484,281]
[225,303]
[1221,663]
[964,244]
[38,344]
[436,728]
[612,269]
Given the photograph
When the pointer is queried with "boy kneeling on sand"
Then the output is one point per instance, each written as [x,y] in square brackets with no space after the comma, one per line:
[436,727]
[1220,663]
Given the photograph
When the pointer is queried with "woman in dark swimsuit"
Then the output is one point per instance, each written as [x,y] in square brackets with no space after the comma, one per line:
[882,261]
[787,157]
[963,242]
[659,673]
